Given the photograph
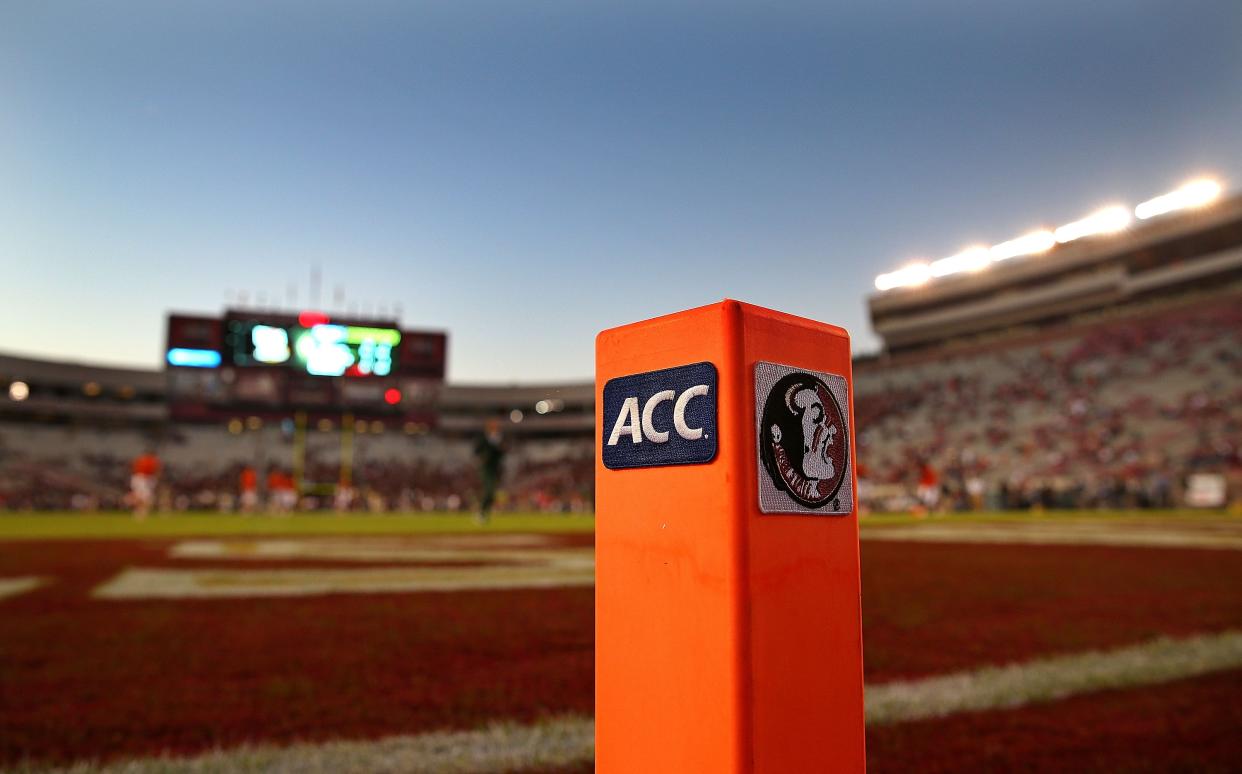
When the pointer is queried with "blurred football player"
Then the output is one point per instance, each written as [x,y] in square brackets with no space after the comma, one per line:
[343,500]
[929,486]
[491,453]
[248,483]
[282,494]
[142,482]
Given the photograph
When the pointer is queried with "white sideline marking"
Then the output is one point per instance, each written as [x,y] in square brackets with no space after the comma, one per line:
[575,567]
[1090,533]
[488,548]
[11,587]
[506,747]
[569,740]
[1049,679]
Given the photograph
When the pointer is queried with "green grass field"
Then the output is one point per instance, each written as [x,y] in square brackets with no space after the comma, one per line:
[42,526]
[991,517]
[72,525]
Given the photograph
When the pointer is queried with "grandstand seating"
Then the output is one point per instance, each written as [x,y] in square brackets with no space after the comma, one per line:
[1111,413]
[63,466]
[1114,411]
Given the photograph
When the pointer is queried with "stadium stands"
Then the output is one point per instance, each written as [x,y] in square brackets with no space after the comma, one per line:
[1104,372]
[68,437]
[1101,413]
[1113,412]
[1104,414]
[72,466]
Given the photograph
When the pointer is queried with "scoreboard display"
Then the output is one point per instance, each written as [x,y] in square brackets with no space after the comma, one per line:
[311,361]
[320,349]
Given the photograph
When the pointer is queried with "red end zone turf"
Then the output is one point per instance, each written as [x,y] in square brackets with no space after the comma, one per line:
[930,608]
[85,677]
[81,677]
[1188,725]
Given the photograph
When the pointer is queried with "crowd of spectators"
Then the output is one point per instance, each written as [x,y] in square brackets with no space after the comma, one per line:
[1116,413]
[560,480]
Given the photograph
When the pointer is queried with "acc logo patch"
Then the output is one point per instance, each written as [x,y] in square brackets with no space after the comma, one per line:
[665,417]
[804,438]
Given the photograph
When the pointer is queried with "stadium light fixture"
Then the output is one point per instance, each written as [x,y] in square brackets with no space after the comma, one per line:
[971,259]
[1106,221]
[1196,193]
[909,276]
[19,391]
[1028,244]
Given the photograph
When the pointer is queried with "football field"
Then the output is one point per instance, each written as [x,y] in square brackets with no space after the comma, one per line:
[430,643]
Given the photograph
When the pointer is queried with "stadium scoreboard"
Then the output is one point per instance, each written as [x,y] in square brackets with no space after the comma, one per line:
[270,362]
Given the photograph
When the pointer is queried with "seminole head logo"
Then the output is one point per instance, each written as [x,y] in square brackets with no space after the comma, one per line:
[803,439]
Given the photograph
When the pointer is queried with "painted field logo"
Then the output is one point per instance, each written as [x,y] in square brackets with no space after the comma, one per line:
[665,417]
[803,441]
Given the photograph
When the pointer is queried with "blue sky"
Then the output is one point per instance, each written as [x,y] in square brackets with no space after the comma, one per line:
[526,174]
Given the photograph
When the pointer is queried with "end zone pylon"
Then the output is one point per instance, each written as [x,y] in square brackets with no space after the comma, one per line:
[728,619]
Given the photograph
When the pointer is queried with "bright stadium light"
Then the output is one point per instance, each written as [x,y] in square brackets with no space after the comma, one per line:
[19,391]
[1196,193]
[970,259]
[1106,221]
[909,276]
[1028,244]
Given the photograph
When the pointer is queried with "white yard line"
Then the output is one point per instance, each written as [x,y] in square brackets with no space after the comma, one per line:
[482,548]
[499,748]
[1049,679]
[569,740]
[574,567]
[11,587]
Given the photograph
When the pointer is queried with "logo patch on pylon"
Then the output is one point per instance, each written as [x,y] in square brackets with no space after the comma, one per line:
[804,438]
[665,417]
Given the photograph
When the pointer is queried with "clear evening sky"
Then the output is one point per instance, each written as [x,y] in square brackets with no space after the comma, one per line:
[524,174]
